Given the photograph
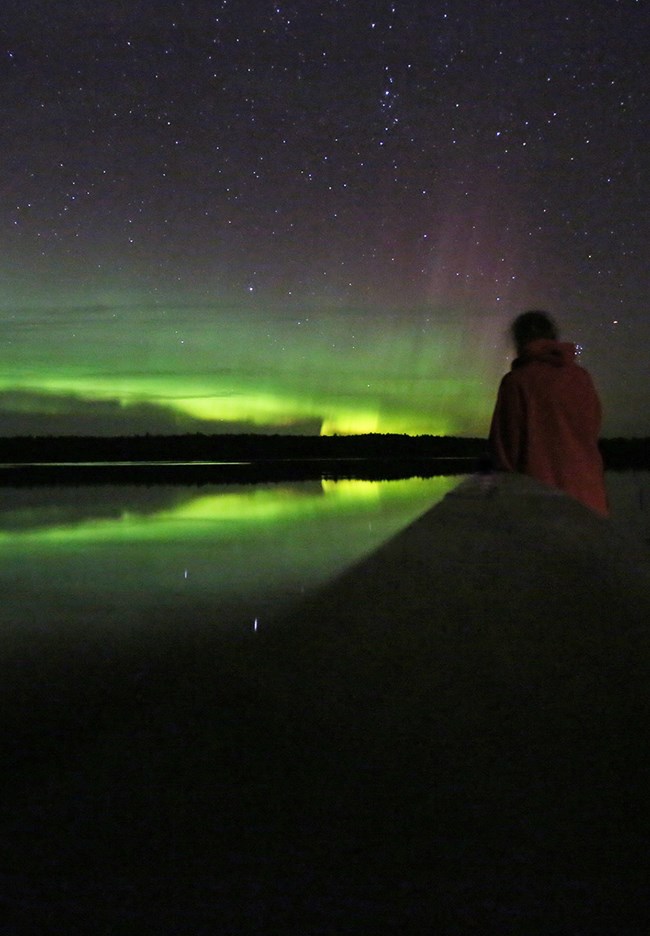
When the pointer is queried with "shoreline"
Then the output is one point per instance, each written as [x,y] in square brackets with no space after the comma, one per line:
[232,472]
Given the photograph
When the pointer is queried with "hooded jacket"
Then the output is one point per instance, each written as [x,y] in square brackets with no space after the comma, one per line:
[547,420]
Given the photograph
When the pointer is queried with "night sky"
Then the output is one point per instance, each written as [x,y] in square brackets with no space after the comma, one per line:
[318,215]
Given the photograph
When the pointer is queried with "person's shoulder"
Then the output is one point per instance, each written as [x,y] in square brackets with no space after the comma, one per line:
[578,369]
[511,384]
[507,378]
[517,373]
[582,375]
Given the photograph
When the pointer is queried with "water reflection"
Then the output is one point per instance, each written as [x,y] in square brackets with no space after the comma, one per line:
[97,558]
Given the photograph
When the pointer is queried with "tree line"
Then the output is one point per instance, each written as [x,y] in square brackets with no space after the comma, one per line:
[618,453]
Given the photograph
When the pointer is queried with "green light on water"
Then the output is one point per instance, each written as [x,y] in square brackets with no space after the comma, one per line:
[218,515]
[120,561]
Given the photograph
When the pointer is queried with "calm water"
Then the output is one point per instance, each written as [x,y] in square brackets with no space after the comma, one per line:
[163,786]
[97,559]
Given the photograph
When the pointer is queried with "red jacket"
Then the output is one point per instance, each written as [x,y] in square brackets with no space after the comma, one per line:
[547,420]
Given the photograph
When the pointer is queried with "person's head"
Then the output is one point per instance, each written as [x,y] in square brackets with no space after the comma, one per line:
[530,326]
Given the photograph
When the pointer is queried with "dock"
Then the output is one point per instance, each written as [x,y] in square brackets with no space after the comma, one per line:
[451,737]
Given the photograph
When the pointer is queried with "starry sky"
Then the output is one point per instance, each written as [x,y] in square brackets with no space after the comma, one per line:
[315,215]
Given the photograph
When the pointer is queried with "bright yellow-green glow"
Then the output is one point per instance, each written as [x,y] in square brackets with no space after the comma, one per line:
[181,558]
[216,515]
[211,404]
[221,373]
[353,491]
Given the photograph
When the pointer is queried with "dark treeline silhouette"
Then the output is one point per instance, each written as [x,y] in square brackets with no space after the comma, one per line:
[232,459]
[620,454]
[251,459]
[231,448]
[617,452]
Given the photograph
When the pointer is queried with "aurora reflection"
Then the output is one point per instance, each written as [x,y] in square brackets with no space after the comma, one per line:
[97,560]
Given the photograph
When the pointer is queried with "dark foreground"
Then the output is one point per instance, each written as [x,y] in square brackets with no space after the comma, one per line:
[451,738]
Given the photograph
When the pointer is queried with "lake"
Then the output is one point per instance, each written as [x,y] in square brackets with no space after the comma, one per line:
[169,769]
[100,560]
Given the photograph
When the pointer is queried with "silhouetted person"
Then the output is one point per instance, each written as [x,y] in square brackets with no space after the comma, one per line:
[547,417]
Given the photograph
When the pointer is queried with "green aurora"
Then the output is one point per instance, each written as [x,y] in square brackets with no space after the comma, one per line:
[129,370]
